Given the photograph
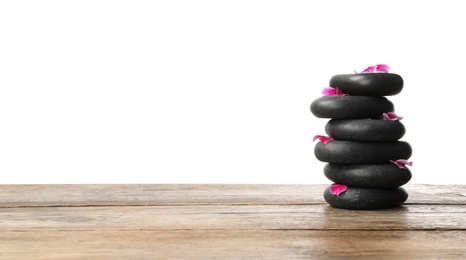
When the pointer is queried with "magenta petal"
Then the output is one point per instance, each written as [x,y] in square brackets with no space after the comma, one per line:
[401,166]
[405,162]
[324,139]
[377,68]
[337,189]
[332,92]
[390,116]
[382,68]
[369,69]
[328,91]
[401,163]
[339,93]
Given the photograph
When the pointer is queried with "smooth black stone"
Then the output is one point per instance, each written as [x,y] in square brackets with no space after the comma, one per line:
[365,129]
[368,175]
[351,107]
[368,84]
[342,151]
[366,199]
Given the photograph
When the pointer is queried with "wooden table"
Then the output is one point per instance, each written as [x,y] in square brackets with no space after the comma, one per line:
[224,222]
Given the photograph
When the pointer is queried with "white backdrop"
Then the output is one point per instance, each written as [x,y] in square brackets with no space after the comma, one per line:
[215,91]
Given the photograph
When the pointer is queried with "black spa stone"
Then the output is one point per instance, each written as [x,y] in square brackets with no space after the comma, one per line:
[368,84]
[350,107]
[366,199]
[368,175]
[365,129]
[359,152]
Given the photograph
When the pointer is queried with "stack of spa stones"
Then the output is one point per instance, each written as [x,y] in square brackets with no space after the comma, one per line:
[365,158]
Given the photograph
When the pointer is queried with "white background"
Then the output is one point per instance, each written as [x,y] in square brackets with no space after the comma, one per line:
[215,91]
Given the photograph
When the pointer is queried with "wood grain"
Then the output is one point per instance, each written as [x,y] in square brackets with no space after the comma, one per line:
[235,244]
[179,194]
[176,221]
[315,217]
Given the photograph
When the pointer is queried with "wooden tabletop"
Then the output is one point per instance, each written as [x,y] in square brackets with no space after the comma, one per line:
[172,221]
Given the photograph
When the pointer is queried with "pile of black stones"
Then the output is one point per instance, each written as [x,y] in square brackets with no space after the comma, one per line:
[363,146]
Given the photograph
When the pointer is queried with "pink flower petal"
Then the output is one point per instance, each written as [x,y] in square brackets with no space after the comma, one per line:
[377,68]
[382,68]
[369,69]
[324,139]
[328,91]
[339,93]
[332,92]
[391,116]
[401,163]
[337,189]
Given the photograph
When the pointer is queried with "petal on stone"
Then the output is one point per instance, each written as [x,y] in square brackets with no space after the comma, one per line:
[337,189]
[339,93]
[324,139]
[401,163]
[377,68]
[382,68]
[328,91]
[391,116]
[332,92]
[369,69]
[407,163]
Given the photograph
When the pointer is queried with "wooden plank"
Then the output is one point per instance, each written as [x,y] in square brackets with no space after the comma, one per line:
[437,194]
[235,244]
[156,194]
[180,194]
[232,217]
[183,221]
